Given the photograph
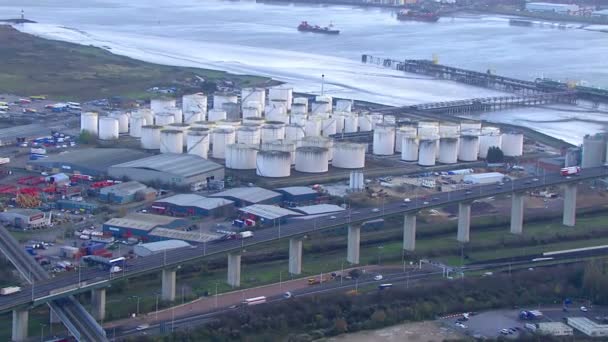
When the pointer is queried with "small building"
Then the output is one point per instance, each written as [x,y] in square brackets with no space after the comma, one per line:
[551,7]
[554,329]
[250,195]
[263,213]
[319,209]
[484,178]
[25,218]
[147,249]
[193,205]
[125,192]
[159,234]
[139,225]
[588,327]
[76,205]
[297,195]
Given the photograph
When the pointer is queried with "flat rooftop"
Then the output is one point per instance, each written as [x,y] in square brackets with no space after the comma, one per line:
[267,211]
[184,165]
[252,194]
[193,200]
[140,221]
[99,159]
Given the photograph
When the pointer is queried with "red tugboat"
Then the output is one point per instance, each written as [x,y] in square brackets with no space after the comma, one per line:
[306,27]
[408,14]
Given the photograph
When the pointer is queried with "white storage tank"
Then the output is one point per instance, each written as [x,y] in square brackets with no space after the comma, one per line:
[512,144]
[321,107]
[281,93]
[344,105]
[299,108]
[178,115]
[448,149]
[258,121]
[312,159]
[313,126]
[299,119]
[328,127]
[205,124]
[349,155]
[89,122]
[198,142]
[273,130]
[171,141]
[123,121]
[160,105]
[376,118]
[490,137]
[399,133]
[219,99]
[145,113]
[249,95]
[250,111]
[594,150]
[427,152]
[248,134]
[221,138]
[448,129]
[241,156]
[426,128]
[300,100]
[365,123]
[319,141]
[216,115]
[409,146]
[351,123]
[150,137]
[163,119]
[108,128]
[473,126]
[180,127]
[294,132]
[276,113]
[136,122]
[273,164]
[340,117]
[384,140]
[194,107]
[280,145]
[389,119]
[469,147]
[228,123]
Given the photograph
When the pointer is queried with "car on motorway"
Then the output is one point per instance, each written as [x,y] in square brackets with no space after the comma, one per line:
[468,192]
[404,205]
[425,203]
[375,210]
[332,217]
[528,182]
[458,324]
[378,277]
[407,200]
[504,331]
[287,295]
[584,309]
[435,198]
[535,179]
[142,327]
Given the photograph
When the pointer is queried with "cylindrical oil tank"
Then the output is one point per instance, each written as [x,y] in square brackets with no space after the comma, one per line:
[340,117]
[248,134]
[351,123]
[198,142]
[328,127]
[490,137]
[276,113]
[365,123]
[474,126]
[448,129]
[594,150]
[222,137]
[108,128]
[389,119]
[512,144]
[253,95]
[281,93]
[279,103]
[273,164]
[145,113]
[228,123]
[344,105]
[349,155]
[180,127]
[376,118]
[258,121]
[321,107]
[251,112]
[294,132]
[448,149]
[280,145]
[171,141]
[384,140]
[300,100]
[216,115]
[299,119]
[319,141]
[150,137]
[205,124]
[399,133]
[426,128]
[299,108]
[409,146]
[312,159]
[123,121]
[178,115]
[160,105]
[88,122]
[313,126]
[469,147]
[241,156]
[219,99]
[136,122]
[427,151]
[194,107]
[163,119]
[273,130]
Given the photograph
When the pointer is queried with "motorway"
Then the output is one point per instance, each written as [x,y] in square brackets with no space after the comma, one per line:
[61,286]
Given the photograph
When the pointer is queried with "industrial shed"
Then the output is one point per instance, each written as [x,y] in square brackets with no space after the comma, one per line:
[318,209]
[90,161]
[250,195]
[147,249]
[295,195]
[266,212]
[171,169]
[139,225]
[125,192]
[193,205]
[25,218]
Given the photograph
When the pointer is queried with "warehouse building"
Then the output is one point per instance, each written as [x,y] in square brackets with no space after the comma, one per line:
[588,327]
[76,205]
[25,218]
[170,169]
[265,213]
[126,192]
[484,178]
[298,195]
[194,235]
[319,209]
[250,195]
[193,205]
[554,329]
[139,225]
[147,249]
[91,161]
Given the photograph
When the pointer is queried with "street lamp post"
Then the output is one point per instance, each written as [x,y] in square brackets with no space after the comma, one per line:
[42,331]
[216,283]
[137,308]
[156,312]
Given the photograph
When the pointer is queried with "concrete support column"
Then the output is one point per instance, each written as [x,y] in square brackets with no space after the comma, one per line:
[20,324]
[464,221]
[234,269]
[569,205]
[295,256]
[168,285]
[353,247]
[409,232]
[517,213]
[98,300]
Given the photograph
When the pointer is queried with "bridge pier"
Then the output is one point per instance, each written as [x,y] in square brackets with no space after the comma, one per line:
[464,221]
[234,269]
[168,285]
[569,205]
[295,256]
[517,213]
[409,232]
[353,247]
[98,301]
[20,325]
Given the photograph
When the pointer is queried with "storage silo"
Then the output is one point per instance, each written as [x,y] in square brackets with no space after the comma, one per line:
[221,138]
[248,134]
[427,150]
[198,142]
[273,130]
[313,126]
[171,141]
[145,113]
[594,150]
[349,155]
[216,115]
[512,144]
[448,149]
[108,128]
[344,105]
[351,123]
[123,121]
[249,95]
[327,143]
[180,127]
[384,140]
[136,122]
[280,145]
[160,105]
[294,132]
[340,117]
[399,133]
[194,107]
[298,119]
[328,127]
[490,137]
[469,146]
[150,137]
[273,164]
[409,146]
[178,115]
[281,93]
[163,119]
[219,99]
[299,108]
[365,123]
[89,122]
[241,156]
[312,159]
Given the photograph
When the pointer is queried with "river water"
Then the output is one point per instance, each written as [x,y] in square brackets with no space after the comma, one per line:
[257,38]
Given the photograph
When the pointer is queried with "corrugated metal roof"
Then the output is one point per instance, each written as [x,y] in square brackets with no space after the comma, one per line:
[483,175]
[269,212]
[252,194]
[193,200]
[140,221]
[163,245]
[297,190]
[194,236]
[184,165]
[99,159]
[123,188]
[319,209]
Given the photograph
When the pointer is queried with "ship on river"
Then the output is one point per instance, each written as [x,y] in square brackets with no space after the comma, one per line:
[306,27]
[408,14]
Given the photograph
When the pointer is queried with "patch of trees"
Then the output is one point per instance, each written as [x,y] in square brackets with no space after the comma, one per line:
[495,155]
